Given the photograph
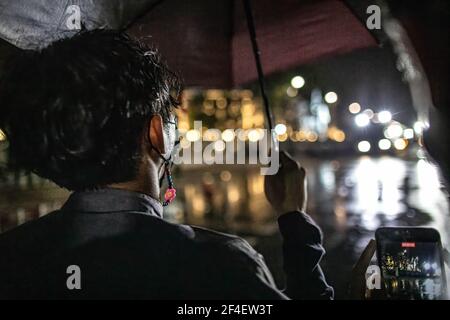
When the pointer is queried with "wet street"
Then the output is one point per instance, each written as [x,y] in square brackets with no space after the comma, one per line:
[349,199]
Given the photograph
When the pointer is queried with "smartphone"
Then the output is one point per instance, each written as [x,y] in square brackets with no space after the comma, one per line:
[411,263]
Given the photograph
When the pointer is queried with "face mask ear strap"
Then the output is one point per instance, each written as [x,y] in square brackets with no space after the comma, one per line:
[171,192]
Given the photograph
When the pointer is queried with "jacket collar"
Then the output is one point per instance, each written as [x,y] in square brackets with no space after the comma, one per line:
[110,200]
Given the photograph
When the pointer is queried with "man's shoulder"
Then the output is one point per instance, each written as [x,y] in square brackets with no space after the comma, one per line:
[232,262]
[31,231]
[222,246]
[27,245]
[221,239]
[48,231]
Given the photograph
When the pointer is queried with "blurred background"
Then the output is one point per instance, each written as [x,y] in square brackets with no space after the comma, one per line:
[353,118]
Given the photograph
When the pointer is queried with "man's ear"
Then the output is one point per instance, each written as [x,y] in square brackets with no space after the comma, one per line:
[156,133]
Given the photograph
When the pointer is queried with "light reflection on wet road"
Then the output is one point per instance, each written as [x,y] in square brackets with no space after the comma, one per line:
[350,199]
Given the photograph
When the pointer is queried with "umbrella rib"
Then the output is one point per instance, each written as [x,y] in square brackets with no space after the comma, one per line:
[257,55]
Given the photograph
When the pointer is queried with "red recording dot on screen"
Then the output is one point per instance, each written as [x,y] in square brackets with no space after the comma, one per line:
[408,244]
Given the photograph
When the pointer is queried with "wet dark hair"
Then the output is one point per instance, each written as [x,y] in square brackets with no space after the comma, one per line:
[75,112]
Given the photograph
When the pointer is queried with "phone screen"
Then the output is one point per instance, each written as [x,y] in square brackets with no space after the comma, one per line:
[412,270]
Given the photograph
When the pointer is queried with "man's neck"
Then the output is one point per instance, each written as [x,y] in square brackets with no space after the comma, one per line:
[135,186]
[147,184]
[146,181]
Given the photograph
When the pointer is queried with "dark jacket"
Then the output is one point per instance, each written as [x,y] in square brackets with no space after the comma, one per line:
[124,249]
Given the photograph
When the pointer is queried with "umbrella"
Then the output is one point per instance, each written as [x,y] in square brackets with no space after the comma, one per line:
[209,42]
[206,41]
[35,24]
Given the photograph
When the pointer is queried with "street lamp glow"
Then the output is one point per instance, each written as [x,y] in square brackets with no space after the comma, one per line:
[297,82]
[369,113]
[408,134]
[364,146]
[362,120]
[282,137]
[331,97]
[418,127]
[193,135]
[219,145]
[242,135]
[228,135]
[384,144]
[384,116]
[400,144]
[394,131]
[280,129]
[254,135]
[339,136]
[312,137]
[354,108]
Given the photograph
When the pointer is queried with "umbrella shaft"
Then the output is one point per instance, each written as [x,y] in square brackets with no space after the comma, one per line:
[257,55]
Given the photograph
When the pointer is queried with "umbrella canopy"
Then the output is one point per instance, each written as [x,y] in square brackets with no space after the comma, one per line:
[35,24]
[208,41]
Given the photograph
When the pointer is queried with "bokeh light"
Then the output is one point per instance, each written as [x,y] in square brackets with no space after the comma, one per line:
[384,144]
[393,131]
[364,146]
[362,120]
[297,82]
[193,135]
[280,129]
[400,144]
[331,97]
[384,116]
[354,108]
